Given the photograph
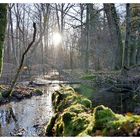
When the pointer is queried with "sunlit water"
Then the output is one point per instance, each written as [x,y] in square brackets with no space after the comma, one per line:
[29,113]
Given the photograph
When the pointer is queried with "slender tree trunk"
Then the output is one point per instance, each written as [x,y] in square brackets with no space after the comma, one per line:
[8,48]
[87,40]
[58,21]
[12,38]
[127,36]
[81,36]
[138,54]
[71,57]
[133,51]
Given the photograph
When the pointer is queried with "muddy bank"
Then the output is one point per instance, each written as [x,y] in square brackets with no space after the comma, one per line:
[75,116]
[19,93]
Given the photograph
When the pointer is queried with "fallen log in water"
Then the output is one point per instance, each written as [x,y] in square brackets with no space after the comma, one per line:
[75,116]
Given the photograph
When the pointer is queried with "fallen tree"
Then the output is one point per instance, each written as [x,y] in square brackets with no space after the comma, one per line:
[75,116]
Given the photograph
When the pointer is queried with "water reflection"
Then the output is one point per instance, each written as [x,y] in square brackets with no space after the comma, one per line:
[21,118]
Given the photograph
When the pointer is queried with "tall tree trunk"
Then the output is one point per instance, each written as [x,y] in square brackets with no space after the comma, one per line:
[135,34]
[71,56]
[115,35]
[81,36]
[8,47]
[127,36]
[46,36]
[3,24]
[133,51]
[138,54]
[12,34]
[87,38]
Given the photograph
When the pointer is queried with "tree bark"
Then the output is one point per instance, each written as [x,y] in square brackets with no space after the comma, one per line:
[127,36]
[12,34]
[135,34]
[115,35]
[87,38]
[138,54]
[3,24]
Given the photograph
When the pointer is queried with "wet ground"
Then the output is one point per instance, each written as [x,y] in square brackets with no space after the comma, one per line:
[27,117]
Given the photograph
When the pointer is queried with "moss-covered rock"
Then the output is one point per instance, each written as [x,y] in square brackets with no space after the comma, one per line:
[66,97]
[111,124]
[76,117]
[102,116]
[123,126]
[73,122]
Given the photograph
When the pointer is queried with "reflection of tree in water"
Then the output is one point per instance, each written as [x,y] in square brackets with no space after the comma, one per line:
[10,115]
[0,130]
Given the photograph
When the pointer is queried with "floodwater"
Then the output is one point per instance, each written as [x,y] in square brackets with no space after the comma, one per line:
[24,118]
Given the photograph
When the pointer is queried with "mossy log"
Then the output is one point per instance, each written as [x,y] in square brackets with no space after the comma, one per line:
[77,117]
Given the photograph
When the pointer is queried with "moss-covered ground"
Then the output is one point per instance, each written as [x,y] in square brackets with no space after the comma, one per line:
[86,91]
[75,116]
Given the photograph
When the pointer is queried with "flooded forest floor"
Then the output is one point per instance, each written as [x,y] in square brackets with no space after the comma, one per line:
[30,108]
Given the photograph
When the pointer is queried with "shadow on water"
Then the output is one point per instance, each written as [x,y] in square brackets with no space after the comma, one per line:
[25,117]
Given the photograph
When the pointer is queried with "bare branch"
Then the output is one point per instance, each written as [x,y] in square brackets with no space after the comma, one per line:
[9,93]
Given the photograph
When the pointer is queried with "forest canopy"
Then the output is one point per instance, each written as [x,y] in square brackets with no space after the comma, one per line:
[86,36]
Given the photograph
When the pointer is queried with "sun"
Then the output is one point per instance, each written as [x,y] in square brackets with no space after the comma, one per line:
[57,38]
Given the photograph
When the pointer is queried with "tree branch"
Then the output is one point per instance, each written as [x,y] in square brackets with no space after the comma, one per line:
[9,93]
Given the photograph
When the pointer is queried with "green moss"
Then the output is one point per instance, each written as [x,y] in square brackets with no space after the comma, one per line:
[50,125]
[3,23]
[37,92]
[66,97]
[75,117]
[76,108]
[56,99]
[89,129]
[84,101]
[103,116]
[124,125]
[86,91]
[112,124]
[89,77]
[63,121]
[76,125]
[72,123]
